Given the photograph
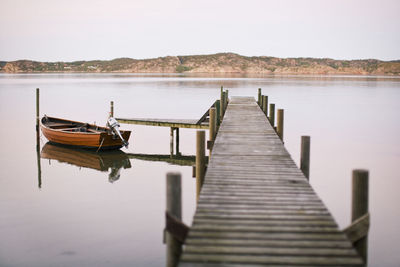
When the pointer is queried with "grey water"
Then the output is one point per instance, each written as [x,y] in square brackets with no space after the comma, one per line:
[84,209]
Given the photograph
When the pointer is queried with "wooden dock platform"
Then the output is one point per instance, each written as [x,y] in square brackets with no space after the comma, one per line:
[201,123]
[256,207]
[172,123]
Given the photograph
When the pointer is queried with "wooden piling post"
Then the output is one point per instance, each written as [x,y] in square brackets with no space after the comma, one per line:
[305,156]
[360,207]
[265,104]
[213,127]
[200,161]
[224,96]
[261,104]
[177,142]
[37,109]
[38,138]
[171,142]
[272,114]
[222,104]
[174,208]
[279,123]
[259,97]
[112,109]
[218,111]
[226,100]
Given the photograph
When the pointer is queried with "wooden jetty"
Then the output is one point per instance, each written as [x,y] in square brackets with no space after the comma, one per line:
[174,124]
[201,123]
[256,207]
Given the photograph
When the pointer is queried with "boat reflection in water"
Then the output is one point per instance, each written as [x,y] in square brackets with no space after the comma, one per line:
[101,161]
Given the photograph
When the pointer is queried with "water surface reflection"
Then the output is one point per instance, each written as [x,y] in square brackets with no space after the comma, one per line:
[104,161]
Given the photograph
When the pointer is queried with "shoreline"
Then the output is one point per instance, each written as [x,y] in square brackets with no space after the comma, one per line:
[216,74]
[222,63]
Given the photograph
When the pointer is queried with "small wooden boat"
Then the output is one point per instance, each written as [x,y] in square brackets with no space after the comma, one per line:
[84,135]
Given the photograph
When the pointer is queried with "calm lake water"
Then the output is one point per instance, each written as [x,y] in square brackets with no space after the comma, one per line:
[81,212]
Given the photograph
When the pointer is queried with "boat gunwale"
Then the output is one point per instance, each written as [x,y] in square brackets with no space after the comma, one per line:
[78,122]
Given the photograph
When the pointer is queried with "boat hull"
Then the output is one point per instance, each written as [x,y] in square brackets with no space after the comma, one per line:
[101,140]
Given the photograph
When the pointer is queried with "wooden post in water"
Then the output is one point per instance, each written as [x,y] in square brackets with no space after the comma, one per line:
[37,109]
[200,161]
[227,97]
[261,103]
[259,97]
[174,208]
[112,109]
[218,111]
[213,127]
[224,93]
[305,156]
[222,104]
[272,114]
[171,142]
[279,123]
[265,104]
[360,207]
[177,142]
[38,138]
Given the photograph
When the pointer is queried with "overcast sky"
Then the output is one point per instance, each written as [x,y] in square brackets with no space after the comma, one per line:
[67,30]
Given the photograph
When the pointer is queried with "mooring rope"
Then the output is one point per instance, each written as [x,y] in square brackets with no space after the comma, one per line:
[102,140]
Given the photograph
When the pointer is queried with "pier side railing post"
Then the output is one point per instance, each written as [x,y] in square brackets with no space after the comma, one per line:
[222,104]
[259,97]
[272,114]
[174,208]
[213,128]
[171,142]
[200,161]
[112,109]
[218,111]
[280,123]
[177,142]
[305,156]
[360,207]
[262,102]
[225,97]
[265,105]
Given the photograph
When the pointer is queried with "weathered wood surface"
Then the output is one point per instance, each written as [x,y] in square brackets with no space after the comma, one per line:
[256,207]
[358,229]
[173,123]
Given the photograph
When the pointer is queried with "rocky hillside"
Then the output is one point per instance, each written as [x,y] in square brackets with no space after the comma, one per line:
[216,63]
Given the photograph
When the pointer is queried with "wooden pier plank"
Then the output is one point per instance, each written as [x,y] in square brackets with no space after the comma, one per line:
[256,207]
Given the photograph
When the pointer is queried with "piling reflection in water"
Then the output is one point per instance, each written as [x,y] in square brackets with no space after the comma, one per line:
[102,161]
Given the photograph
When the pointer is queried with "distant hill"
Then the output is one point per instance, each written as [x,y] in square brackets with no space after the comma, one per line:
[215,63]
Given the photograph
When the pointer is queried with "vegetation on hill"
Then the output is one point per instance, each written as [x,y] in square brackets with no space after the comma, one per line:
[215,63]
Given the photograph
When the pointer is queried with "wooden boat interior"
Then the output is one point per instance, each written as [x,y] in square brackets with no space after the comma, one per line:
[71,126]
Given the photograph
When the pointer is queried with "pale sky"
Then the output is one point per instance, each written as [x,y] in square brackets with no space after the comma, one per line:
[67,30]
